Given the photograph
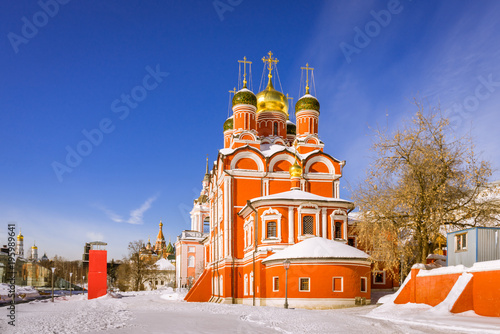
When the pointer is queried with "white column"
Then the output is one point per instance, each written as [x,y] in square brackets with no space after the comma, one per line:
[291,224]
[226,214]
[230,214]
[324,223]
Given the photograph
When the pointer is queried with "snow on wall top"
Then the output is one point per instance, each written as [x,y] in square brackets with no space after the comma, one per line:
[317,247]
[299,195]
[269,149]
[164,264]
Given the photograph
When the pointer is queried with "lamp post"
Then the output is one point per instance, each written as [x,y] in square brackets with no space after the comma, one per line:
[83,284]
[286,264]
[70,274]
[53,269]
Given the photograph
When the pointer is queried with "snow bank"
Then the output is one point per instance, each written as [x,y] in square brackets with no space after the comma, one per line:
[447,304]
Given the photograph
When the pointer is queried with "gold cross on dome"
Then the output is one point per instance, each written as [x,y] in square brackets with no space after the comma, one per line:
[270,62]
[245,62]
[307,68]
[231,91]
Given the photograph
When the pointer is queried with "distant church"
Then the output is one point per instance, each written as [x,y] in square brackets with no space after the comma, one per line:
[160,250]
[271,203]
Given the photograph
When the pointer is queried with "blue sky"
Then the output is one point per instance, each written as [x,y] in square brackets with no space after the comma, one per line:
[72,71]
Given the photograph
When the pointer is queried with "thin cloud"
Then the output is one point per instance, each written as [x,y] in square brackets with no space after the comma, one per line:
[95,236]
[136,215]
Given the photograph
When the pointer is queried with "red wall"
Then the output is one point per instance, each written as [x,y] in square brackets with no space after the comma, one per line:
[97,273]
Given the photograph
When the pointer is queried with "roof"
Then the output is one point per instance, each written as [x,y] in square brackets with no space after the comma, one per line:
[164,264]
[318,248]
[299,195]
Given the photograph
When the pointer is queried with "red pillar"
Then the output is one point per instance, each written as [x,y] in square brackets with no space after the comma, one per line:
[97,274]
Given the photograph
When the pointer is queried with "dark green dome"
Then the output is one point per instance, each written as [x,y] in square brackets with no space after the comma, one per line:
[291,129]
[228,124]
[307,102]
[245,96]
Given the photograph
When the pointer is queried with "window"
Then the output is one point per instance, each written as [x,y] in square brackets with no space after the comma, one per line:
[251,284]
[307,225]
[276,283]
[191,249]
[364,287]
[351,242]
[379,277]
[271,230]
[461,242]
[338,284]
[191,261]
[245,285]
[304,284]
[338,230]
[275,130]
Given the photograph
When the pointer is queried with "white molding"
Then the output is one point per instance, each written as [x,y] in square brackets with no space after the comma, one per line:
[248,155]
[308,285]
[273,215]
[327,162]
[274,277]
[278,158]
[341,284]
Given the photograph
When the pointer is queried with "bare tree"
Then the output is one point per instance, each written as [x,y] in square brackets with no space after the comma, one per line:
[421,183]
[136,268]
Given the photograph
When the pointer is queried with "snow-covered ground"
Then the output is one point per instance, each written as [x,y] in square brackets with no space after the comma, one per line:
[164,311]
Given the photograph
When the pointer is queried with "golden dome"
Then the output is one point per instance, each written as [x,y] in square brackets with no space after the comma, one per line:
[20,236]
[295,170]
[272,100]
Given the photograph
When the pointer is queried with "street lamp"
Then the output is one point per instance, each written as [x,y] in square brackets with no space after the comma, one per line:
[53,269]
[70,274]
[286,264]
[83,284]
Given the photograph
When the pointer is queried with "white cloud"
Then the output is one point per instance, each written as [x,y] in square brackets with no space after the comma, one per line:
[95,236]
[135,215]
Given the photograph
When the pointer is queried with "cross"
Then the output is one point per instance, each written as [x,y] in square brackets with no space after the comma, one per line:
[270,62]
[288,98]
[233,91]
[245,62]
[307,68]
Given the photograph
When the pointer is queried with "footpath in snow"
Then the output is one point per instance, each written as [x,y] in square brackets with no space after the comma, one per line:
[164,311]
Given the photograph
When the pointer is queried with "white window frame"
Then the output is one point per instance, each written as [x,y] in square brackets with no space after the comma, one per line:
[250,288]
[338,215]
[271,215]
[375,273]
[308,285]
[245,285]
[191,261]
[341,284]
[191,249]
[274,281]
[364,287]
[461,236]
[248,228]
[308,209]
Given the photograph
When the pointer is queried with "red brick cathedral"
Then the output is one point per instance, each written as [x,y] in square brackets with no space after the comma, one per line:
[278,228]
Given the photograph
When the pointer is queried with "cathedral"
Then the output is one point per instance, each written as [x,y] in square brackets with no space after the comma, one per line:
[160,250]
[270,222]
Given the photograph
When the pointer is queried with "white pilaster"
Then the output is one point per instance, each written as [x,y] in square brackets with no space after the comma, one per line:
[291,225]
[324,222]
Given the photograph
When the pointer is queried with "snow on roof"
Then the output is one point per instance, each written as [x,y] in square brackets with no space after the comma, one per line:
[317,247]
[299,195]
[164,264]
[269,149]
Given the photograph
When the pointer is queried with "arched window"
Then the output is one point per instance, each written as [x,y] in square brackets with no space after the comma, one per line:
[275,130]
[271,230]
[191,261]
[251,284]
[245,285]
[308,225]
[338,230]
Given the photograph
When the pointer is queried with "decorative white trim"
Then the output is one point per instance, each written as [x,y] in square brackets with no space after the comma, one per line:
[278,158]
[338,214]
[248,155]
[308,285]
[364,287]
[383,277]
[274,278]
[291,218]
[271,215]
[341,284]
[327,162]
[308,209]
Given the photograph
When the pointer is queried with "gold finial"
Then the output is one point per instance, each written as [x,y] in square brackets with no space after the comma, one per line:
[307,68]
[270,62]
[233,91]
[207,165]
[245,62]
[288,98]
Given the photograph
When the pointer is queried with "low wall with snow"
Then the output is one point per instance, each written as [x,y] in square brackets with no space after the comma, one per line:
[456,289]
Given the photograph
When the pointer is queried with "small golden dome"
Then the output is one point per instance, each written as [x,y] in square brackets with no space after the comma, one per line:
[272,100]
[20,236]
[295,170]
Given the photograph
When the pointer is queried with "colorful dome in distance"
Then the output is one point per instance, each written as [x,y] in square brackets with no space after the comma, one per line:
[170,248]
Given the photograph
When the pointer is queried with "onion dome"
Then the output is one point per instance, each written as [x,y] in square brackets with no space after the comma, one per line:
[245,96]
[291,129]
[307,102]
[272,100]
[295,170]
[20,236]
[170,248]
[228,124]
